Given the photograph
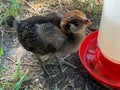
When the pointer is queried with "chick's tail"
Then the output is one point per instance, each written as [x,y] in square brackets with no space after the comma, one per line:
[13,22]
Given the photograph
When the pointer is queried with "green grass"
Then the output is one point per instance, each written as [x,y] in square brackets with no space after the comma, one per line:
[13,10]
[16,75]
[1,52]
[16,79]
[19,83]
[1,46]
[56,87]
[89,6]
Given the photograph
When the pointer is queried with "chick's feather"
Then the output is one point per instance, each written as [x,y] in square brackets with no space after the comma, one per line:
[40,35]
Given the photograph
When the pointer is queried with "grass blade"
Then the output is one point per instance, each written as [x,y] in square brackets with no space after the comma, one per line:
[56,87]
[1,52]
[26,88]
[1,45]
[1,87]
[17,73]
[19,83]
[14,3]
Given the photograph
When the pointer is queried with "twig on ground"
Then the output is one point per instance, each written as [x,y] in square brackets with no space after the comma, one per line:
[41,87]
[5,78]
[30,5]
[36,11]
[22,64]
[32,87]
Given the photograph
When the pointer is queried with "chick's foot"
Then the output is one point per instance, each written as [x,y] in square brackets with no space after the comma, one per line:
[48,71]
[63,62]
[44,65]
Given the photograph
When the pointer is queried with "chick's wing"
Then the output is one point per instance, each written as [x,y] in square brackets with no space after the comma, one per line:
[51,34]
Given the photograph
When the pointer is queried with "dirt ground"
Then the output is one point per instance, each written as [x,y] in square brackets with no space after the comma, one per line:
[71,79]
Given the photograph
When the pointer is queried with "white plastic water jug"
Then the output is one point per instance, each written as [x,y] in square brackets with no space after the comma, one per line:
[109,33]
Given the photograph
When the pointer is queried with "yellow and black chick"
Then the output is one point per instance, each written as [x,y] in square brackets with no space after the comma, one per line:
[58,36]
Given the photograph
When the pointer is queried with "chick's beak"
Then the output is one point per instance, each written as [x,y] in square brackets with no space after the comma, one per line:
[87,22]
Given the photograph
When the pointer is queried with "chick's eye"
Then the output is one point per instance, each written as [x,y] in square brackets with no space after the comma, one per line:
[75,22]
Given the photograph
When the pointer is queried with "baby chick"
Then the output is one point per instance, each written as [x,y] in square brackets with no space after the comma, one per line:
[53,35]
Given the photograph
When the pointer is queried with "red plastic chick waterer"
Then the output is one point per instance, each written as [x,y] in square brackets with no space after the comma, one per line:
[100,51]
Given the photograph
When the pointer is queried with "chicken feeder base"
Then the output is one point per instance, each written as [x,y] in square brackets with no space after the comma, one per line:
[100,68]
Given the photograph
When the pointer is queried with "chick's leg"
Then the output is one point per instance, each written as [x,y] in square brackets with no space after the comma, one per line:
[63,62]
[43,64]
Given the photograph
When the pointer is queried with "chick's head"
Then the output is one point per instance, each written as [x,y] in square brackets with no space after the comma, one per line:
[74,22]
